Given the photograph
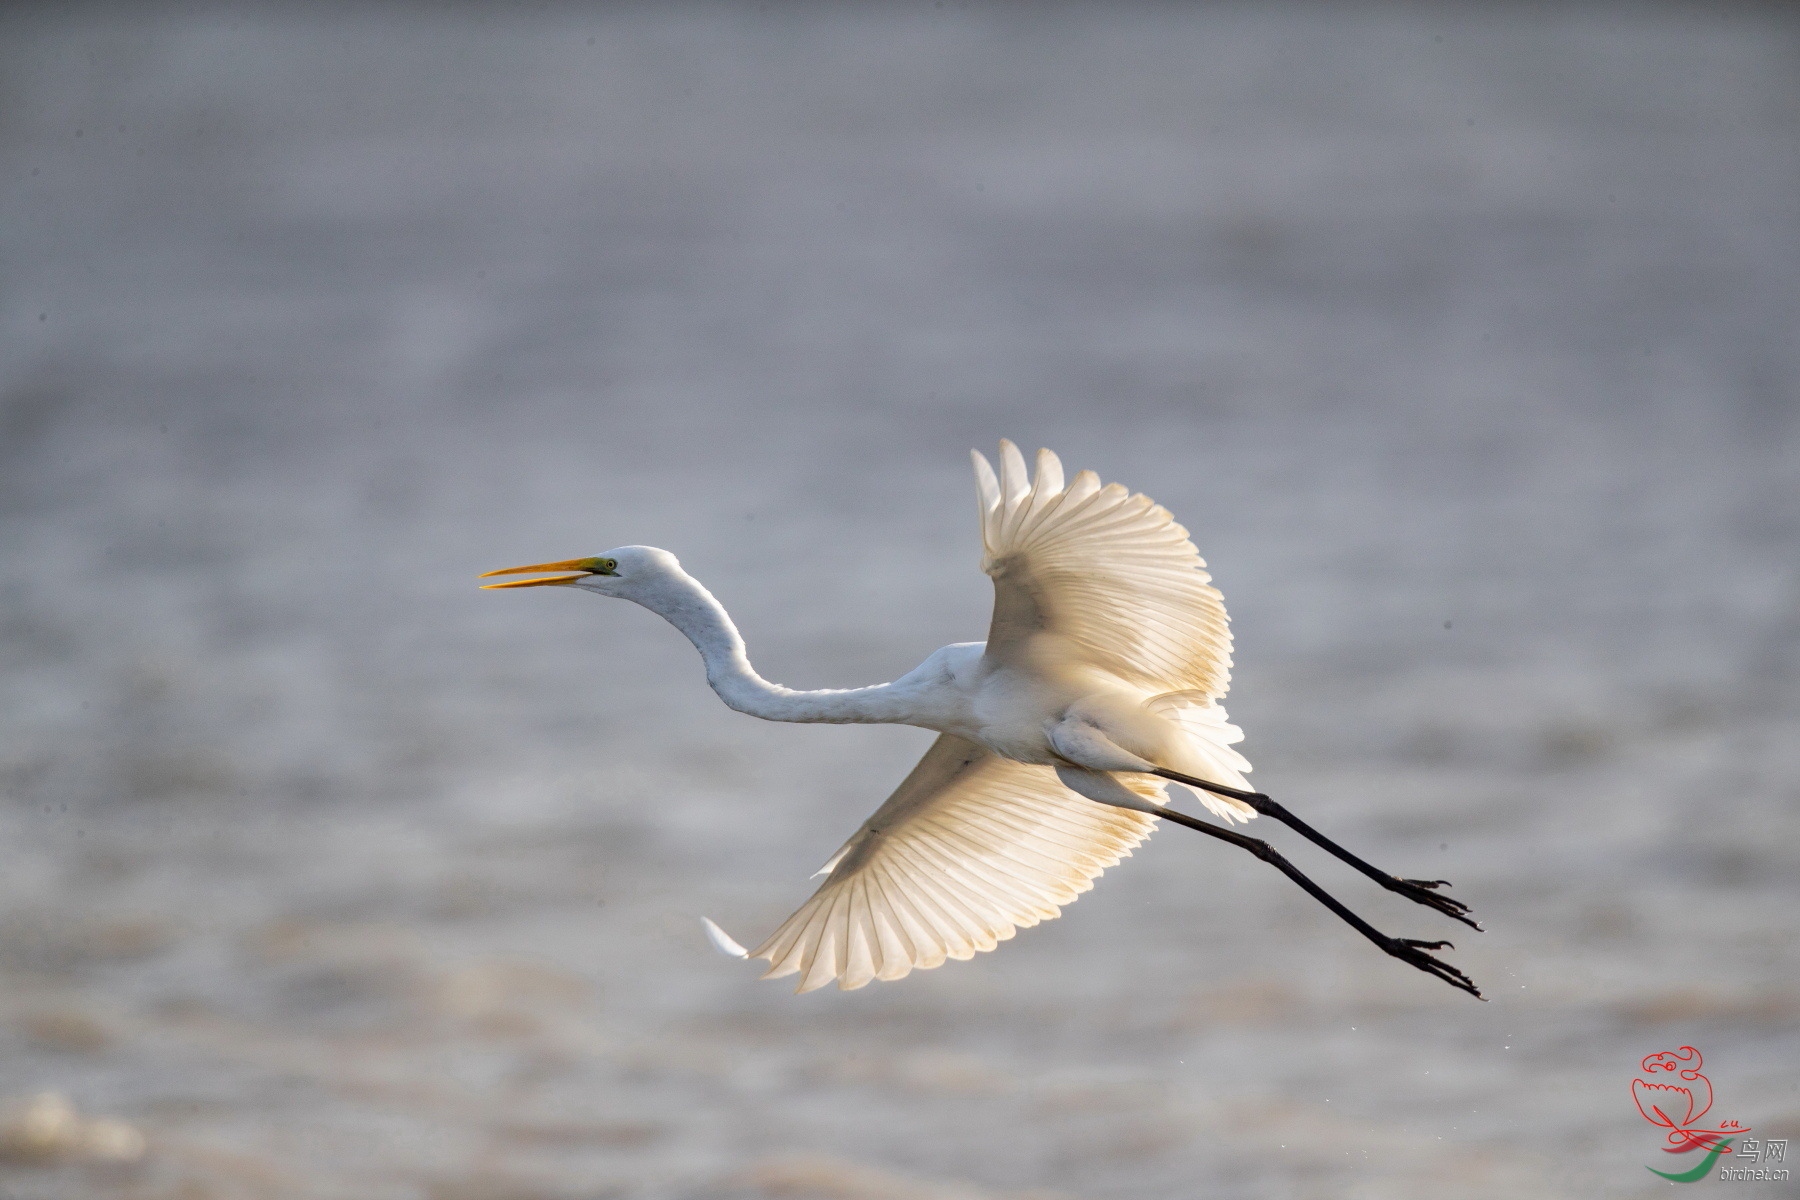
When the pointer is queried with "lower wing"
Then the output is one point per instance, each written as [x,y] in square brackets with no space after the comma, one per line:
[970,847]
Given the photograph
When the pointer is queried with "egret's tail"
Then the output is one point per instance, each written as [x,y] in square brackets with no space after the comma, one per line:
[722,941]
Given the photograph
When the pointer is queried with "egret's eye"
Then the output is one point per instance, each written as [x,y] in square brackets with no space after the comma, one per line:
[608,566]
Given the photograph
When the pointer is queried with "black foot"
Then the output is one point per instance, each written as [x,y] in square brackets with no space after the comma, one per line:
[1411,950]
[1420,891]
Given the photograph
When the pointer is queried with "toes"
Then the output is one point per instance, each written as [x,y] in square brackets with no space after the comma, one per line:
[1411,950]
[1425,892]
[1420,891]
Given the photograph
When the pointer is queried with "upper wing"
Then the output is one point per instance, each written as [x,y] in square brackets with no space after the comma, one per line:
[1107,572]
[969,847]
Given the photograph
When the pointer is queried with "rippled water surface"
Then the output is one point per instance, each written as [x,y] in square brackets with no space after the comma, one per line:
[1462,340]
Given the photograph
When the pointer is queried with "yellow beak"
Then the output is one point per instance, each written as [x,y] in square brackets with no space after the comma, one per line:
[582,566]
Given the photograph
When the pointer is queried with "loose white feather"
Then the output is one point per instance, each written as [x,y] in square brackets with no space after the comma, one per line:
[723,942]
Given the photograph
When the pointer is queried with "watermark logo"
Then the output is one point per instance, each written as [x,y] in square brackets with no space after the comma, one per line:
[1673,1094]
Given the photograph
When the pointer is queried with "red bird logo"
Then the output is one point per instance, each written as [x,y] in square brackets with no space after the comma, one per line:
[1675,1095]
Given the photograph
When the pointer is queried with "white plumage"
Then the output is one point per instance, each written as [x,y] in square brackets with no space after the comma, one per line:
[1107,654]
[1089,581]
[1107,575]
[970,847]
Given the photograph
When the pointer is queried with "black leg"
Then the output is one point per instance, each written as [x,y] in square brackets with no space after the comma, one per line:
[1406,950]
[1421,891]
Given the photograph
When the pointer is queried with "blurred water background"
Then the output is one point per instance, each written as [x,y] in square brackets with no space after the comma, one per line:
[1462,338]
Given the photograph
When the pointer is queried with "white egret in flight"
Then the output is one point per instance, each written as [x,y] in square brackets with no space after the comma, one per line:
[1099,685]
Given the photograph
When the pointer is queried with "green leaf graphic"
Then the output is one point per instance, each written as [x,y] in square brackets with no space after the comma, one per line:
[1698,1172]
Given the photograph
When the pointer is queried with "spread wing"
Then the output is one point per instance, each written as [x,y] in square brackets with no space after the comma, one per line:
[1109,574]
[969,847]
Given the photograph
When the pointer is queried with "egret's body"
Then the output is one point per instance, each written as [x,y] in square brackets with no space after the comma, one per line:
[1106,658]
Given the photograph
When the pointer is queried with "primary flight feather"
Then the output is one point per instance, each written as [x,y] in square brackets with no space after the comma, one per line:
[1098,685]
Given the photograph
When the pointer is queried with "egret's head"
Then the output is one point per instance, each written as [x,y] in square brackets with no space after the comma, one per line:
[626,572]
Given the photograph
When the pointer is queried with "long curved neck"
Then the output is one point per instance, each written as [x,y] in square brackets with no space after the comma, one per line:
[686,604]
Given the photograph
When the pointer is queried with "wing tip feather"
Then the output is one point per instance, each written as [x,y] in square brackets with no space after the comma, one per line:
[723,942]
